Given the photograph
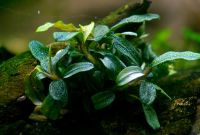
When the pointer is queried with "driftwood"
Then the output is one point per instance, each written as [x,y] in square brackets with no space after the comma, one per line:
[177,116]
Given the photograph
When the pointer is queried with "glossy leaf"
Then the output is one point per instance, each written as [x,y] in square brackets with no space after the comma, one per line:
[169,56]
[52,108]
[103,99]
[151,116]
[64,36]
[58,90]
[129,33]
[126,48]
[59,55]
[38,50]
[44,27]
[87,30]
[59,24]
[148,53]
[135,19]
[77,68]
[129,74]
[147,92]
[113,64]
[100,31]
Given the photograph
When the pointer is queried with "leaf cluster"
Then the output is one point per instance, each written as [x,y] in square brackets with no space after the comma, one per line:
[97,62]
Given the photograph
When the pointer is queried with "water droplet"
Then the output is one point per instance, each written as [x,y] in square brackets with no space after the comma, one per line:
[38,12]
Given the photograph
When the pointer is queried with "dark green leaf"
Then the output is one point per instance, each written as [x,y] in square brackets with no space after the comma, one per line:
[103,99]
[38,50]
[58,90]
[34,88]
[128,74]
[100,31]
[151,116]
[77,68]
[64,36]
[148,53]
[59,55]
[126,48]
[135,19]
[161,91]
[113,64]
[147,92]
[169,56]
[52,108]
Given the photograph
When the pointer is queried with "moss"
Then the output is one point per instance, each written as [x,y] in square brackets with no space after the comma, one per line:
[12,73]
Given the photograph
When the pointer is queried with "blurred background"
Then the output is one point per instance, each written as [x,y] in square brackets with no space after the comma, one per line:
[178,28]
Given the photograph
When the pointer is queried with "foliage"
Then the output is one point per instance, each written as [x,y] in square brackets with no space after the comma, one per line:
[99,62]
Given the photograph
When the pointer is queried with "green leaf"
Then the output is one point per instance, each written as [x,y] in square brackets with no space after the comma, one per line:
[113,64]
[162,91]
[59,24]
[44,27]
[169,56]
[151,116]
[148,53]
[58,90]
[64,36]
[38,50]
[77,68]
[129,74]
[59,55]
[127,49]
[103,99]
[100,31]
[147,92]
[87,30]
[34,88]
[52,108]
[66,27]
[135,19]
[128,33]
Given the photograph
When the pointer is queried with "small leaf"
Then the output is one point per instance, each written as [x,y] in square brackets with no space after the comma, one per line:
[66,27]
[113,64]
[44,27]
[162,91]
[135,19]
[38,50]
[87,30]
[64,36]
[169,56]
[148,53]
[59,24]
[128,74]
[147,92]
[126,49]
[151,116]
[59,55]
[77,68]
[103,99]
[128,33]
[100,31]
[58,90]
[52,108]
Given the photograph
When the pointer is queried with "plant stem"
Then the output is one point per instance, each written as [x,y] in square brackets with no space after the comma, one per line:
[89,56]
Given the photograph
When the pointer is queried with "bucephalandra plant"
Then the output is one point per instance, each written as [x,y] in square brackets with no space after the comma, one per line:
[98,62]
